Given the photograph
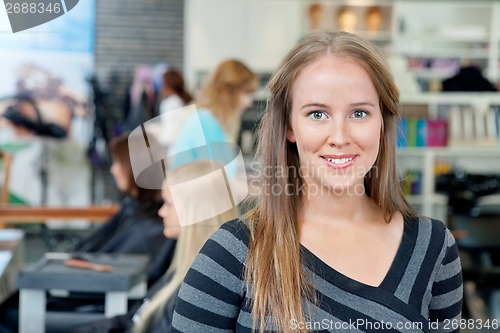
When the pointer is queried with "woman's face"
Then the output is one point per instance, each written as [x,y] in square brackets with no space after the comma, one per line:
[245,101]
[171,224]
[121,175]
[336,123]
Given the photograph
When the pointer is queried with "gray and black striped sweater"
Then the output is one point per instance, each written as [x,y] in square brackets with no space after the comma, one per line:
[422,291]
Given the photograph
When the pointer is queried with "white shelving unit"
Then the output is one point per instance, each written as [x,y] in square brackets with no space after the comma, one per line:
[260,32]
[465,30]
[477,101]
[359,10]
[451,98]
[473,159]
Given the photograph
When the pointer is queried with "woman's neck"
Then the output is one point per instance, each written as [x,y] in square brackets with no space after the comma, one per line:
[168,91]
[346,208]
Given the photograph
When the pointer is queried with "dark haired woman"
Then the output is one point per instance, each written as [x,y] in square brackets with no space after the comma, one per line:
[136,228]
[177,97]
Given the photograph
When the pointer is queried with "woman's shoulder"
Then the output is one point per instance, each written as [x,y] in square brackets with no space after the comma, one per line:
[228,245]
[239,228]
[203,114]
[202,117]
[207,117]
[171,103]
[147,210]
[428,222]
[234,233]
[432,231]
[143,217]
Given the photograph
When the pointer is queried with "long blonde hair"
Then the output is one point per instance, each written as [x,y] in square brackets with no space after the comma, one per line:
[191,237]
[274,269]
[221,93]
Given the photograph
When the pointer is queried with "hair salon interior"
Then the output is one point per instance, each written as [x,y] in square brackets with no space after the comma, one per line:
[73,87]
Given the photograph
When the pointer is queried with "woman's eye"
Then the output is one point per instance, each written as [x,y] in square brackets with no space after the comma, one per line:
[359,114]
[317,115]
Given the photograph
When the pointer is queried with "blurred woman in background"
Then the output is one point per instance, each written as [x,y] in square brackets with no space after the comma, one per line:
[176,97]
[227,94]
[157,315]
[136,228]
[223,98]
[155,312]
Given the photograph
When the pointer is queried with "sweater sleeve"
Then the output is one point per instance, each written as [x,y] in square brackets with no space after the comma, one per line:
[211,295]
[447,290]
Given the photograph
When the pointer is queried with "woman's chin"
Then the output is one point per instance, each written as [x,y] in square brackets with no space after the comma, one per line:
[344,188]
[171,233]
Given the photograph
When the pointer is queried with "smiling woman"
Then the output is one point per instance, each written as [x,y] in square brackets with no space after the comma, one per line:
[342,246]
[336,135]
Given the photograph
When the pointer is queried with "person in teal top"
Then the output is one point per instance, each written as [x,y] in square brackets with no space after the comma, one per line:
[196,138]
[211,129]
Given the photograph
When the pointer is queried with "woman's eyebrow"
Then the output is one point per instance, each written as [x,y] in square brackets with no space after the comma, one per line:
[321,105]
[362,104]
[318,105]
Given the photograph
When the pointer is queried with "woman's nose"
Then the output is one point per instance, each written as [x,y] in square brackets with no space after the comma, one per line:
[162,212]
[339,135]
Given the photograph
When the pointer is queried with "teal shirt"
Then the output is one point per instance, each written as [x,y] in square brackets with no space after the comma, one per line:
[196,141]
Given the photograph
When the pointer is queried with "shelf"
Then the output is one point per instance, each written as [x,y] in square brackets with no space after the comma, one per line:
[451,98]
[367,3]
[441,37]
[430,73]
[446,53]
[449,29]
[473,151]
[492,200]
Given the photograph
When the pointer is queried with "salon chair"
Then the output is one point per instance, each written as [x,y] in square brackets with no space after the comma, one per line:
[474,219]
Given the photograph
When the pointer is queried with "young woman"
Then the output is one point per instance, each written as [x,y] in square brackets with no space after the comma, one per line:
[332,244]
[176,97]
[136,228]
[157,315]
[227,94]
[224,97]
[155,312]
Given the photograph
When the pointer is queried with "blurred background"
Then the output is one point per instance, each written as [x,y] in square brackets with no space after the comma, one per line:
[69,86]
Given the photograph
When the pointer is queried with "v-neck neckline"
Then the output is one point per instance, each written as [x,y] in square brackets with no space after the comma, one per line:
[392,275]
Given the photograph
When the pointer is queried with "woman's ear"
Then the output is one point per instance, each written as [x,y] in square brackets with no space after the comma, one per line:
[290,136]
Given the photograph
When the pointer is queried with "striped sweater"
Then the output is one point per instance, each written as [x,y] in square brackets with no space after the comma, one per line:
[422,291]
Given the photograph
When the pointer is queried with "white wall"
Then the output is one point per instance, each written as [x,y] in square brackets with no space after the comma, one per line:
[256,32]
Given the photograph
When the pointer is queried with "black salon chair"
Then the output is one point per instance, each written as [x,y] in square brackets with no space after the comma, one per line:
[474,219]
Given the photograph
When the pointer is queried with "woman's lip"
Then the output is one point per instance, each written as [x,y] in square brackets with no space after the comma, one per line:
[349,161]
[339,156]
